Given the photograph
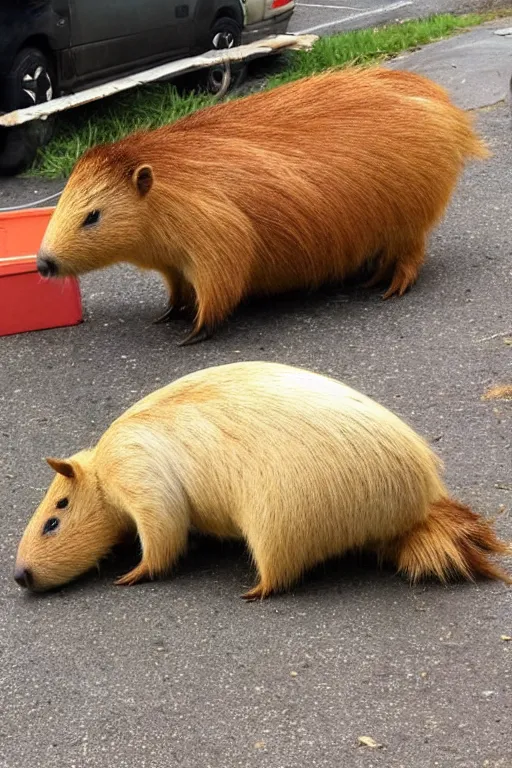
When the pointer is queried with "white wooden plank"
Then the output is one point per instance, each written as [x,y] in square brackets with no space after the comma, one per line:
[240,53]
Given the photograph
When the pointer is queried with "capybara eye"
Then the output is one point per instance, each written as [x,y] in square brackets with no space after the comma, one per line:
[62,503]
[91,218]
[51,525]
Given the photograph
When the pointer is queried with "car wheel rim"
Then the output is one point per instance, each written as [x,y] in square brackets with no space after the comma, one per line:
[215,79]
[220,41]
[223,40]
[37,86]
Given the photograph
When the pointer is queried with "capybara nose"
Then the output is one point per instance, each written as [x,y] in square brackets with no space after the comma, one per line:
[46,266]
[23,577]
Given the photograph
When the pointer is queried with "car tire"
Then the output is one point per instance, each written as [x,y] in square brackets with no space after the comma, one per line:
[224,33]
[31,81]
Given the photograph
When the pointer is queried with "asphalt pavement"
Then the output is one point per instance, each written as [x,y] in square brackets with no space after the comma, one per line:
[327,16]
[182,672]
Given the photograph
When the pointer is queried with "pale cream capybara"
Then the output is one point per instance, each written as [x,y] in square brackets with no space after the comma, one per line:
[298,465]
[311,182]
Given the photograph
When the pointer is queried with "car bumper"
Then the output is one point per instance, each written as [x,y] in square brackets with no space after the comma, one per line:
[276,25]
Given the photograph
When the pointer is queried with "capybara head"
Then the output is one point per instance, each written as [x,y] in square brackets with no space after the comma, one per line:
[69,532]
[100,216]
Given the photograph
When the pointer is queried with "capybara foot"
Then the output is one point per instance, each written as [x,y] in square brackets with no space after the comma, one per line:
[377,278]
[403,279]
[406,270]
[196,336]
[166,315]
[259,592]
[140,573]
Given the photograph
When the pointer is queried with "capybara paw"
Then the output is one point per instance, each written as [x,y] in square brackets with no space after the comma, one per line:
[133,577]
[402,281]
[259,592]
[165,316]
[196,336]
[396,290]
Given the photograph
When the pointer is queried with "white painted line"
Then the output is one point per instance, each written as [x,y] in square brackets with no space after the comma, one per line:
[354,16]
[336,7]
[341,7]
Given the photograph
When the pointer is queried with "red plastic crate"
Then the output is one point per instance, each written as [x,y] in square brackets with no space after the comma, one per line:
[28,302]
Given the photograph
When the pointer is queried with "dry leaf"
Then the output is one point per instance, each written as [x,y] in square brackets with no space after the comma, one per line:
[505,638]
[500,392]
[293,674]
[367,741]
[508,342]
[259,745]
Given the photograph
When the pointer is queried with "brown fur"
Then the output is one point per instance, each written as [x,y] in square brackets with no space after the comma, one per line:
[452,542]
[299,466]
[290,188]
[410,83]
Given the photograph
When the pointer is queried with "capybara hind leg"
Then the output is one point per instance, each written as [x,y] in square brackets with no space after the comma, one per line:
[277,570]
[406,269]
[382,272]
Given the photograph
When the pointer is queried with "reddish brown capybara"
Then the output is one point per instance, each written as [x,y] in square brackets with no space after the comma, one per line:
[285,189]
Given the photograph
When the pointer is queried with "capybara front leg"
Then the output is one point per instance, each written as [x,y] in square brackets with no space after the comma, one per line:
[163,535]
[407,265]
[259,592]
[202,330]
[181,294]
[140,573]
[216,297]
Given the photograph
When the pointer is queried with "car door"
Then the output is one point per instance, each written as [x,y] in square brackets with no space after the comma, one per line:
[114,36]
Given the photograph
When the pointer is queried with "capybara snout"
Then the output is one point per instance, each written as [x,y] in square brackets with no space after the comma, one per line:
[46,265]
[23,576]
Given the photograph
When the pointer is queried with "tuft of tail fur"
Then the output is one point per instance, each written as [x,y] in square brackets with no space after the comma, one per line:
[453,542]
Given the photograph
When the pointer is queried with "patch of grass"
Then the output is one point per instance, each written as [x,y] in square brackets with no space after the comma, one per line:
[155,105]
[109,120]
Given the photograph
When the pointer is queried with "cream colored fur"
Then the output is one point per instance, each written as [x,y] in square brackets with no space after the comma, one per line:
[300,466]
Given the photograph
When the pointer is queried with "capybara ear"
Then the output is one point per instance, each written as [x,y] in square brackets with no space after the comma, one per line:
[142,179]
[62,466]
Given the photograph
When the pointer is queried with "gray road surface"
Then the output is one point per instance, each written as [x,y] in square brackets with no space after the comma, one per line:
[184,673]
[324,17]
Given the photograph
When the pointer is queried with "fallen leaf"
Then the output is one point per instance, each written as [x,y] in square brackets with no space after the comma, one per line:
[259,745]
[293,674]
[508,342]
[500,392]
[505,638]
[367,741]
